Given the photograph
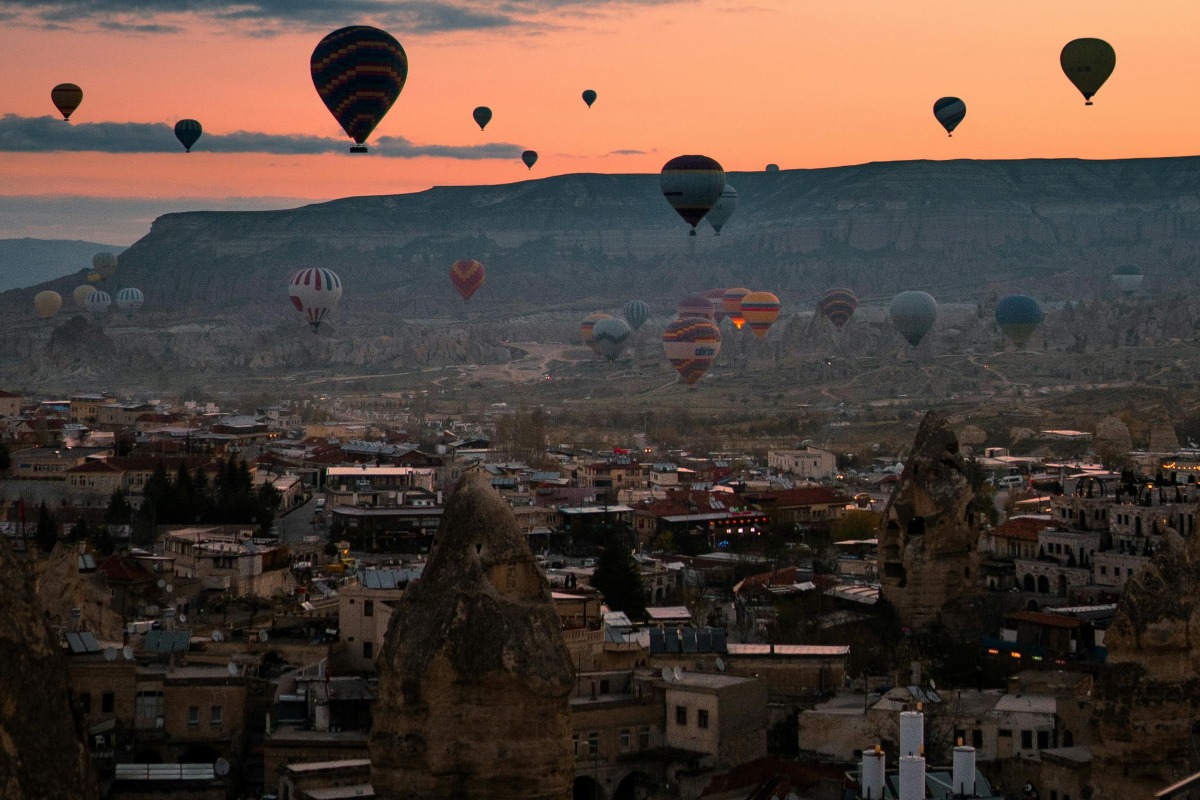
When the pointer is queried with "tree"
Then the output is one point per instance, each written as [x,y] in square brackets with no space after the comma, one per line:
[856,524]
[617,578]
[47,529]
[5,458]
[119,512]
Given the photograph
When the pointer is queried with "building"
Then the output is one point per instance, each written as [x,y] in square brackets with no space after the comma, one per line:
[229,560]
[809,463]
[364,613]
[722,717]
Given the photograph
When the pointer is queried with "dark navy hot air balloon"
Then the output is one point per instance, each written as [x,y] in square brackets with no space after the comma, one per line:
[359,72]
[589,97]
[692,185]
[1018,315]
[949,111]
[913,314]
[482,116]
[66,98]
[187,131]
[1087,63]
[837,305]
[529,158]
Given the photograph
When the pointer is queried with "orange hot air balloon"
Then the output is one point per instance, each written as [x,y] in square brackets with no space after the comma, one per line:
[66,98]
[467,275]
[731,304]
[760,310]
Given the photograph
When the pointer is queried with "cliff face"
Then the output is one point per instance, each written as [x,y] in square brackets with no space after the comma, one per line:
[927,543]
[1147,701]
[41,752]
[475,676]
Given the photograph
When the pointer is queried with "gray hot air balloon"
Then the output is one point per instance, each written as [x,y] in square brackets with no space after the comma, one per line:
[692,184]
[913,314]
[722,210]
[609,336]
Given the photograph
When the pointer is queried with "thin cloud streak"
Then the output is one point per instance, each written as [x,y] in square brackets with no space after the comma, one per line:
[49,135]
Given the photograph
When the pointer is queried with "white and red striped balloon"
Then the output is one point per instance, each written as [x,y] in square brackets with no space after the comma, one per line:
[315,292]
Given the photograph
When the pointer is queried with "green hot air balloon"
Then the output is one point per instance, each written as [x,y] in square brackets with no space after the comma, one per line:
[1018,315]
[692,185]
[913,314]
[636,313]
[359,72]
[482,116]
[187,131]
[1087,63]
[529,158]
[589,97]
[723,209]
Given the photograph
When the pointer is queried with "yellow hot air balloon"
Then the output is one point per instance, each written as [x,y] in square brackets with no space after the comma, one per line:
[94,277]
[80,295]
[1087,63]
[47,304]
[760,310]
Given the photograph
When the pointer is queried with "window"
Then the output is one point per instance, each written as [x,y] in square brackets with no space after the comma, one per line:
[1004,733]
[368,649]
[193,716]
[368,608]
[593,744]
[217,716]
[1043,739]
[702,718]
[148,707]
[575,743]
[1026,740]
[107,702]
[977,739]
[626,740]
[681,715]
[644,737]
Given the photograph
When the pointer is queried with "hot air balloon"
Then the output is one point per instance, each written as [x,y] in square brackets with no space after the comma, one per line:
[913,314]
[129,301]
[837,305]
[760,310]
[314,293]
[482,116]
[467,275]
[772,168]
[692,184]
[47,304]
[97,302]
[691,345]
[1018,316]
[696,306]
[80,295]
[1087,63]
[529,157]
[589,97]
[94,277]
[636,313]
[1127,279]
[587,329]
[358,72]
[609,337]
[722,210]
[731,304]
[949,111]
[187,131]
[715,296]
[66,98]
[104,263]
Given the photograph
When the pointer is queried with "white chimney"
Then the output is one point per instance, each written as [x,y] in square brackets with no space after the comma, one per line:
[912,778]
[874,763]
[963,782]
[912,733]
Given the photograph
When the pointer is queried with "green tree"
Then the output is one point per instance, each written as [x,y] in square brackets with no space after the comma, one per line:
[47,529]
[119,512]
[79,531]
[857,524]
[617,578]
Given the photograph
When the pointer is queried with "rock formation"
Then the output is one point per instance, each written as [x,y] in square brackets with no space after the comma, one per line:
[1147,700]
[927,540]
[41,751]
[1112,436]
[475,675]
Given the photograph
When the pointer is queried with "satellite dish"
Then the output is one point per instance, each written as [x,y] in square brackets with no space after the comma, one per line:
[221,767]
[110,654]
[127,653]
[720,664]
[217,636]
[182,618]
[233,668]
[932,685]
[161,583]
[170,588]
[263,636]
[666,674]
[678,672]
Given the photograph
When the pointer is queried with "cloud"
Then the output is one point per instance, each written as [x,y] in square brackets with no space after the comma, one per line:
[47,134]
[627,153]
[274,16]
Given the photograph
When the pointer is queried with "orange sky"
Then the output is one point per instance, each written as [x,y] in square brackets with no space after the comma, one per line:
[797,82]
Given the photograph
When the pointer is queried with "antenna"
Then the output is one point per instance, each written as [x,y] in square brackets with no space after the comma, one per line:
[666,674]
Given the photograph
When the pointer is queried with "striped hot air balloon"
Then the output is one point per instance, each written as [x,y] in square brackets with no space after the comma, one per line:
[949,111]
[760,310]
[731,304]
[188,131]
[587,329]
[97,302]
[691,345]
[609,337]
[359,72]
[715,296]
[636,313]
[467,275]
[696,306]
[315,292]
[692,184]
[1018,315]
[66,98]
[47,304]
[105,264]
[837,305]
[129,300]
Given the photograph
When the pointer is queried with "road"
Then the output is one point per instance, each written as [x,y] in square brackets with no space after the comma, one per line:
[297,525]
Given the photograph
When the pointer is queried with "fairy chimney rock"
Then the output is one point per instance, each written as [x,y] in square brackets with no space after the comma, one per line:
[927,540]
[475,676]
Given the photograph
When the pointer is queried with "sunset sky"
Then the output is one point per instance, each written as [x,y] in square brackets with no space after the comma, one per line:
[803,84]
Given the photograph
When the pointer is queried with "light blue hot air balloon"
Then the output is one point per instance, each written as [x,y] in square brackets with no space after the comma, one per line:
[609,336]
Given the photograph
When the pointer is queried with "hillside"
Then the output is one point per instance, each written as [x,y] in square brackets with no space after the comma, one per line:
[28,262]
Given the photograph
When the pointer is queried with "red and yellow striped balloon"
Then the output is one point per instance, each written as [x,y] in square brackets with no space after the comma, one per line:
[467,275]
[760,309]
[731,304]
